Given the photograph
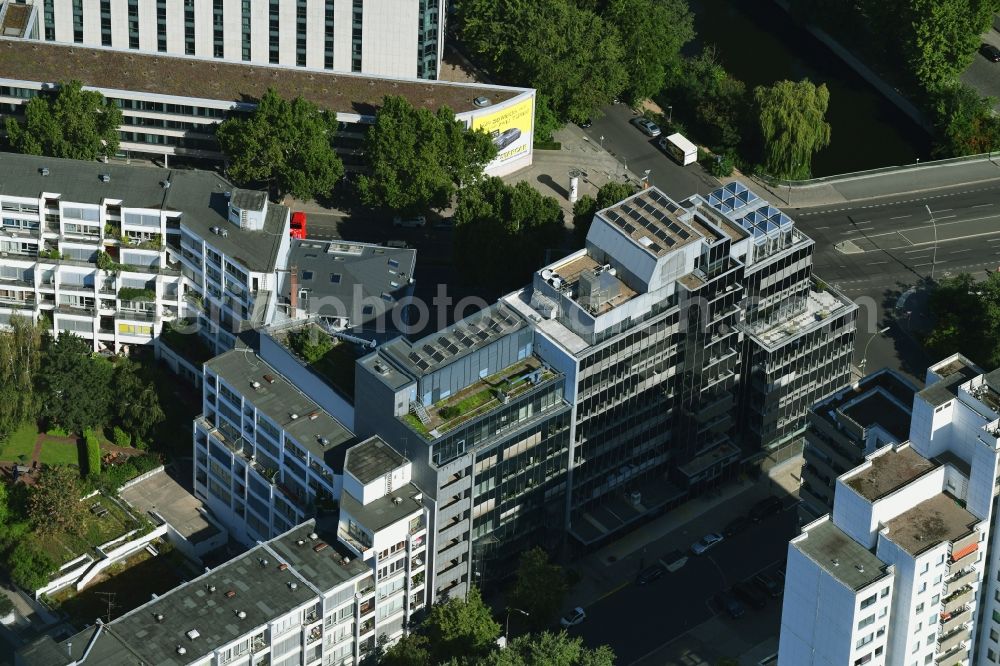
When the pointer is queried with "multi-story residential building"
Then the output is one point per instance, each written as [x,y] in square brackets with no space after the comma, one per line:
[383,521]
[389,38]
[267,457]
[658,323]
[300,598]
[847,426]
[112,252]
[924,511]
[172,103]
[483,422]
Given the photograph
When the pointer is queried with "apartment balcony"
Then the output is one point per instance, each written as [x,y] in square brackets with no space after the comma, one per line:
[355,543]
[314,635]
[136,315]
[454,551]
[958,599]
[17,304]
[366,627]
[953,639]
[258,645]
[950,622]
[78,310]
[454,530]
[966,560]
[964,578]
[367,608]
[957,656]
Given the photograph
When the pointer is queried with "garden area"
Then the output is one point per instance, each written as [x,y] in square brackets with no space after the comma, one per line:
[102,520]
[19,447]
[333,360]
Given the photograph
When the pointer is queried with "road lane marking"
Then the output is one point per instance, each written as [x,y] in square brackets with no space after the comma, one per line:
[982,205]
[923,249]
[945,217]
[901,217]
[968,249]
[826,227]
[876,263]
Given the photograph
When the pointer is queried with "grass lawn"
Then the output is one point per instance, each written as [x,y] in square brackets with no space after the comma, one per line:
[21,442]
[337,366]
[63,547]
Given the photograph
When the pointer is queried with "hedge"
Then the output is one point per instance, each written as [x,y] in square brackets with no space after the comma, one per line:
[133,294]
[93,452]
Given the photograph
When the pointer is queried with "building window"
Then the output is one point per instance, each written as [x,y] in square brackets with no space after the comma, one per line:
[300,33]
[189,27]
[218,38]
[133,24]
[863,660]
[991,655]
[50,20]
[77,21]
[357,21]
[161,26]
[994,636]
[246,30]
[868,602]
[870,620]
[328,35]
[105,22]
[865,640]
[274,23]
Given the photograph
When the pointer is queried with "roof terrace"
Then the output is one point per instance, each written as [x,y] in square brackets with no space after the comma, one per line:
[819,307]
[889,472]
[478,398]
[594,286]
[839,555]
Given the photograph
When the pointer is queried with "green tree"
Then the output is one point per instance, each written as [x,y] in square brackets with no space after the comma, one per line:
[793,126]
[612,192]
[546,120]
[286,143]
[410,650]
[714,102]
[966,318]
[570,54]
[136,402]
[74,123]
[502,231]
[54,502]
[965,122]
[549,649]
[583,216]
[6,605]
[418,158]
[460,628]
[539,589]
[310,343]
[73,385]
[93,446]
[29,566]
[20,353]
[942,36]
[652,35]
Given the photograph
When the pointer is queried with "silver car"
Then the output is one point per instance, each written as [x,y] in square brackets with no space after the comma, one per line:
[647,126]
[708,541]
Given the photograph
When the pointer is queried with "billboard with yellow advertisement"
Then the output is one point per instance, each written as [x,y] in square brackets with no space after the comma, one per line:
[510,128]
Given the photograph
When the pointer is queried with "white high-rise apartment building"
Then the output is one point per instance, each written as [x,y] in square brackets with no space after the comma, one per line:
[901,574]
[384,37]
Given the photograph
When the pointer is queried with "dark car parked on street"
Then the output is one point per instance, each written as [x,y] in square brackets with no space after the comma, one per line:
[990,52]
[733,606]
[769,585]
[649,574]
[764,508]
[735,526]
[749,594]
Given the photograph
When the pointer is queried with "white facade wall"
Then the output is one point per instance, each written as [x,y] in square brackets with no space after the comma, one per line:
[390,32]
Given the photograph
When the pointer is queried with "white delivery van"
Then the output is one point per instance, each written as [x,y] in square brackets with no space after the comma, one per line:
[680,149]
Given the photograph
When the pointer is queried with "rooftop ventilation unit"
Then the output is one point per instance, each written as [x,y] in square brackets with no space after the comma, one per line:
[105,177]
[158,617]
[230,594]
[836,562]
[313,416]
[292,585]
[282,567]
[181,649]
[193,634]
[263,562]
[210,588]
[44,171]
[320,546]
[165,184]
[293,416]
[269,379]
[397,500]
[241,614]
[255,384]
[345,560]
[300,542]
[323,441]
[313,536]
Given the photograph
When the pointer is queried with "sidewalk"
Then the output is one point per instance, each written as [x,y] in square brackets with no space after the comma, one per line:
[851,188]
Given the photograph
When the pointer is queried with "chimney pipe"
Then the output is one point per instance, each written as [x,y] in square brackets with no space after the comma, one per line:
[293,296]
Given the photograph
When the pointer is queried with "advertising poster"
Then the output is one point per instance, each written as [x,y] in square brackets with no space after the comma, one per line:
[510,128]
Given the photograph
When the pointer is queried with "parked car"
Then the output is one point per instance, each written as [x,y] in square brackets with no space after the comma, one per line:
[586,123]
[674,560]
[708,541]
[573,618]
[735,526]
[409,222]
[768,585]
[646,126]
[733,606]
[990,52]
[298,225]
[649,574]
[764,508]
[444,223]
[749,594]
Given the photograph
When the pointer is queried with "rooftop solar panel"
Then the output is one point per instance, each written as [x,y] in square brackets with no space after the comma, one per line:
[422,364]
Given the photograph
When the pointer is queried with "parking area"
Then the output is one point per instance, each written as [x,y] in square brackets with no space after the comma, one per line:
[983,74]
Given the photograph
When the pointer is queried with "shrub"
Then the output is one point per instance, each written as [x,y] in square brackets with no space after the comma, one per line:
[133,294]
[6,605]
[93,452]
[310,343]
[720,166]
[29,567]
[56,432]
[449,412]
[121,437]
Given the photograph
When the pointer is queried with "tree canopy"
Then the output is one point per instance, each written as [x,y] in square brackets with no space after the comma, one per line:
[54,501]
[460,627]
[502,231]
[136,402]
[285,143]
[20,354]
[793,126]
[587,206]
[74,386]
[539,589]
[966,122]
[74,123]
[418,158]
[549,649]
[941,36]
[715,103]
[966,319]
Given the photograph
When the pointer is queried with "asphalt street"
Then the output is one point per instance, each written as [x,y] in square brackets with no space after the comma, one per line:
[638,152]
[637,619]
